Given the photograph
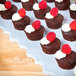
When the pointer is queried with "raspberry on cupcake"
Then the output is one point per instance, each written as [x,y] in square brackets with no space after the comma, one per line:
[62,4]
[17,0]
[69,31]
[50,1]
[20,20]
[40,9]
[28,4]
[2,1]
[66,58]
[72,11]
[34,31]
[7,10]
[53,19]
[50,44]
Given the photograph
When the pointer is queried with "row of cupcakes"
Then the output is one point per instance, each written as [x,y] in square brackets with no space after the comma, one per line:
[22,22]
[65,56]
[42,6]
[39,9]
[60,4]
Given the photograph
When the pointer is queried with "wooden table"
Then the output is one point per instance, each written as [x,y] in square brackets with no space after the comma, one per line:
[13,60]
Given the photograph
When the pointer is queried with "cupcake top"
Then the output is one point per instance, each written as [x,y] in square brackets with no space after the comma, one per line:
[59,1]
[6,6]
[51,36]
[32,28]
[73,7]
[26,0]
[65,50]
[17,16]
[68,27]
[42,5]
[53,13]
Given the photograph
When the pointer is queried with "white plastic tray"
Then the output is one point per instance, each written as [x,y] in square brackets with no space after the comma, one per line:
[33,47]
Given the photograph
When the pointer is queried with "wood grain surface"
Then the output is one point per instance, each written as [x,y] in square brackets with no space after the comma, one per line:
[13,60]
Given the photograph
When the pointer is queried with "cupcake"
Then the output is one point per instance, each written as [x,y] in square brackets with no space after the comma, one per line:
[20,20]
[28,4]
[62,4]
[69,31]
[34,31]
[50,0]
[2,1]
[41,9]
[7,10]
[66,58]
[53,19]
[50,44]
[75,71]
[72,11]
[17,0]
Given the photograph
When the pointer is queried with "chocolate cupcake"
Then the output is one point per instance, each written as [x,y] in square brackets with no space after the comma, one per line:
[34,31]
[50,44]
[7,10]
[53,19]
[62,4]
[28,4]
[69,31]
[17,0]
[50,0]
[20,20]
[41,9]
[2,1]
[72,11]
[66,58]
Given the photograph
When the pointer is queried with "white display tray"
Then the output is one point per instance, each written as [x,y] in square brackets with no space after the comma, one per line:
[33,47]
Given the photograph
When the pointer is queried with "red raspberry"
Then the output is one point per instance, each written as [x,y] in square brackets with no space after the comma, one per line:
[51,36]
[73,25]
[43,4]
[54,11]
[36,24]
[8,5]
[22,12]
[66,49]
